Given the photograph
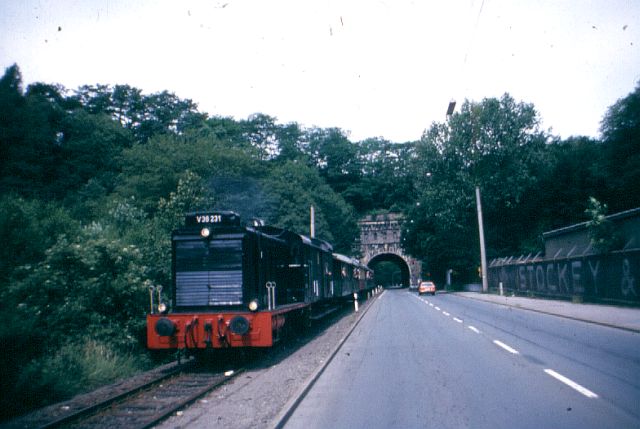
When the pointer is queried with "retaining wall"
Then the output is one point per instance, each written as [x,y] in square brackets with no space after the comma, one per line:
[598,277]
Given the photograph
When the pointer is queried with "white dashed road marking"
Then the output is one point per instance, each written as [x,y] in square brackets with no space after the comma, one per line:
[506,347]
[586,392]
[581,389]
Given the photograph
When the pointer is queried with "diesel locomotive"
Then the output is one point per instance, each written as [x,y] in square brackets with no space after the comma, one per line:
[237,285]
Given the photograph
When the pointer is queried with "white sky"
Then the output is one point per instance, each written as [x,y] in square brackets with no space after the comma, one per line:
[373,68]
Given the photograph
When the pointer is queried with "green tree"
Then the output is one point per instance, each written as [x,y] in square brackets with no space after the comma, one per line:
[191,194]
[576,170]
[296,187]
[228,130]
[152,234]
[27,229]
[291,142]
[90,148]
[334,156]
[387,179]
[261,132]
[164,112]
[151,171]
[30,126]
[621,135]
[495,144]
[52,145]
[144,115]
[261,136]
[12,106]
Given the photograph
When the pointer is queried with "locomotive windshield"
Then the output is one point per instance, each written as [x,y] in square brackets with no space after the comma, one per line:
[208,272]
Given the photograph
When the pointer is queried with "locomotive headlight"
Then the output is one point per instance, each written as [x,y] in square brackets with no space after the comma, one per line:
[162,307]
[253,305]
[205,232]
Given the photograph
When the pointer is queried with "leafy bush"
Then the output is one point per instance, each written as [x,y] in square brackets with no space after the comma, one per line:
[601,230]
[91,285]
[72,369]
[27,229]
[86,283]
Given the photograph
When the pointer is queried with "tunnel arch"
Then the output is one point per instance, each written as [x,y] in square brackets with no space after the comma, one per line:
[381,277]
[381,241]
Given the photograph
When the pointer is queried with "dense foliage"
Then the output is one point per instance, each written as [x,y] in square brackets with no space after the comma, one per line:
[494,145]
[93,180]
[529,180]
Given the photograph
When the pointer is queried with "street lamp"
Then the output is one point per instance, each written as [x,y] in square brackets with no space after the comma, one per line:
[451,107]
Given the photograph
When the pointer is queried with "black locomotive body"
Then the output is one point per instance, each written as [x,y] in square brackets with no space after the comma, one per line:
[238,286]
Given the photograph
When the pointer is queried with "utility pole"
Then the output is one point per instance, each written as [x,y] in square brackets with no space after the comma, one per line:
[483,255]
[313,223]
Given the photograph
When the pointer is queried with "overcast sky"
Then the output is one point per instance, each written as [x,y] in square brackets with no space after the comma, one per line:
[373,68]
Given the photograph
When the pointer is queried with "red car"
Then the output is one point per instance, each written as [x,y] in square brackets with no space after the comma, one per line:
[427,287]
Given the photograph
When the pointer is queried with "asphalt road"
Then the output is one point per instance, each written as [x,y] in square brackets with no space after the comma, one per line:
[452,362]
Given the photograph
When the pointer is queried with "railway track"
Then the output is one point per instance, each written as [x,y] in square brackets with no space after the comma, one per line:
[148,407]
[140,405]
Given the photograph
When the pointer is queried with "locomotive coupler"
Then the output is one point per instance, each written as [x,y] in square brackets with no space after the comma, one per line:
[222,337]
[208,329]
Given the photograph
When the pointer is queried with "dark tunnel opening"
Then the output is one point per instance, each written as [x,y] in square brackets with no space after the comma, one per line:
[390,271]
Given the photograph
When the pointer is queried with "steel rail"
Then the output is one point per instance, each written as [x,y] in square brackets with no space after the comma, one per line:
[142,407]
[94,408]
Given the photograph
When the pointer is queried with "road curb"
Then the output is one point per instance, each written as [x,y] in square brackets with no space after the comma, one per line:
[550,313]
[287,411]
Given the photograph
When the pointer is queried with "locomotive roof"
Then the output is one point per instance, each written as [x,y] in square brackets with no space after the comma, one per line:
[345,259]
[289,236]
[225,219]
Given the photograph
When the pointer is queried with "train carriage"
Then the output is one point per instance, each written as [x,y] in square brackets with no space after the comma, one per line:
[350,276]
[238,286]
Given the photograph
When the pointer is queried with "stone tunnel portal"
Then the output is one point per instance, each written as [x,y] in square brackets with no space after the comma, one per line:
[390,270]
[381,250]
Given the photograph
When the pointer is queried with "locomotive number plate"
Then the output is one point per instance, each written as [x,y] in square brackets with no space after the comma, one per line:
[213,218]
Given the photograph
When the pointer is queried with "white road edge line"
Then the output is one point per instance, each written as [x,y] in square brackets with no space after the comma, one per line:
[457,320]
[586,392]
[474,329]
[506,347]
